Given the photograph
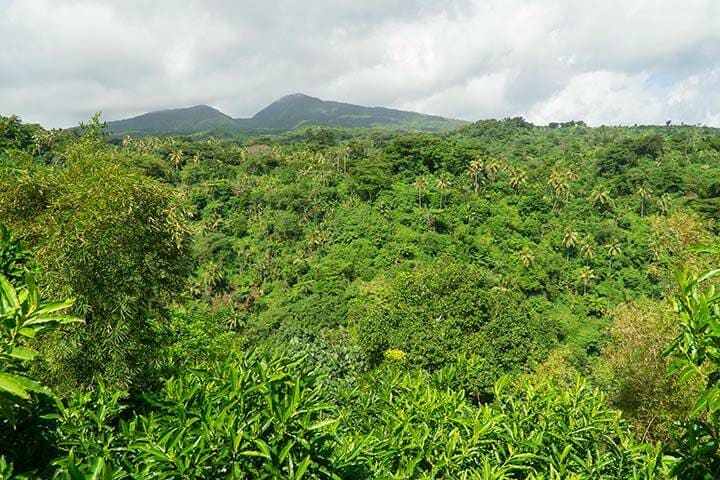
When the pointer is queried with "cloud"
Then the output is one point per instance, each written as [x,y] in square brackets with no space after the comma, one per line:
[611,62]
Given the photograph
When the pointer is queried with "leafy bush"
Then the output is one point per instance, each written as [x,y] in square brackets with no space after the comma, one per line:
[436,312]
[253,417]
[112,238]
[696,351]
[25,317]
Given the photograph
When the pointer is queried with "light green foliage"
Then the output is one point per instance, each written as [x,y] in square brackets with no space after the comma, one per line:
[24,315]
[25,319]
[255,416]
[418,430]
[268,416]
[639,382]
[110,237]
[495,250]
[447,308]
[697,351]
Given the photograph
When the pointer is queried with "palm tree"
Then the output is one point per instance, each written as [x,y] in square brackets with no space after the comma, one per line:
[443,182]
[560,185]
[613,250]
[585,276]
[211,277]
[176,158]
[126,141]
[474,170]
[518,180]
[491,168]
[344,156]
[569,240]
[600,196]
[644,193]
[665,203]
[196,158]
[526,257]
[587,250]
[421,186]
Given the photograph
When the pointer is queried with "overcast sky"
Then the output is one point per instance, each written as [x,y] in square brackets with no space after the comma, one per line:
[602,61]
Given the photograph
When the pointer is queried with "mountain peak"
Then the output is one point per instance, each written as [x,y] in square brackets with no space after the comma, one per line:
[297,96]
[294,98]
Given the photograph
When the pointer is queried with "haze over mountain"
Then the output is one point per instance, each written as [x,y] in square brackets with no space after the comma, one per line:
[287,113]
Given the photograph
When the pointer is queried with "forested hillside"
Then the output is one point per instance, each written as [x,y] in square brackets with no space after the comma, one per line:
[287,113]
[499,301]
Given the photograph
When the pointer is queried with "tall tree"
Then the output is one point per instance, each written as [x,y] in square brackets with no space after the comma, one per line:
[613,250]
[570,238]
[585,276]
[644,193]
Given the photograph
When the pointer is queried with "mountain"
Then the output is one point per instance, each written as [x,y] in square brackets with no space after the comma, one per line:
[287,113]
[199,118]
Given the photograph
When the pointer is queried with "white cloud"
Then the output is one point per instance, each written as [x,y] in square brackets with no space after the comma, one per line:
[604,62]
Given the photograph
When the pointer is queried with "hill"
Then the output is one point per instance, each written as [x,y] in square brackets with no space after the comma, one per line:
[199,118]
[287,113]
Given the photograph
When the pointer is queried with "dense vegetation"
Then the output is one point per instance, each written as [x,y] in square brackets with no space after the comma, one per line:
[493,302]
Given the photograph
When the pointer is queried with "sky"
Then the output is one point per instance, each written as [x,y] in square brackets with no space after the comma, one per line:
[605,62]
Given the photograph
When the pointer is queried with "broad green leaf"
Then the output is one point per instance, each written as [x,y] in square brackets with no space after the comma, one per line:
[302,467]
[9,383]
[39,319]
[322,424]
[23,353]
[8,292]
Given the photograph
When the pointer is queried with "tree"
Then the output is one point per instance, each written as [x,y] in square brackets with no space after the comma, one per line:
[527,258]
[560,185]
[491,168]
[176,158]
[570,238]
[474,170]
[518,180]
[600,196]
[587,250]
[115,240]
[665,203]
[653,400]
[585,276]
[421,187]
[442,184]
[644,193]
[613,250]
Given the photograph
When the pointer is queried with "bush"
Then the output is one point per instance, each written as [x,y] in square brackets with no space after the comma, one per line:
[434,313]
[256,416]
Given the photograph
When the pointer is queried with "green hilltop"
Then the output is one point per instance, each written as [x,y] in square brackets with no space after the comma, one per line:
[287,113]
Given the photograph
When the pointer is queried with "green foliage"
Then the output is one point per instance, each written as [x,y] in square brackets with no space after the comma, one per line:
[253,416]
[24,315]
[14,257]
[113,239]
[25,319]
[414,429]
[269,416]
[14,134]
[697,350]
[638,382]
[413,271]
[447,308]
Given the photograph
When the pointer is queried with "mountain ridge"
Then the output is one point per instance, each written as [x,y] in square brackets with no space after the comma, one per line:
[286,113]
